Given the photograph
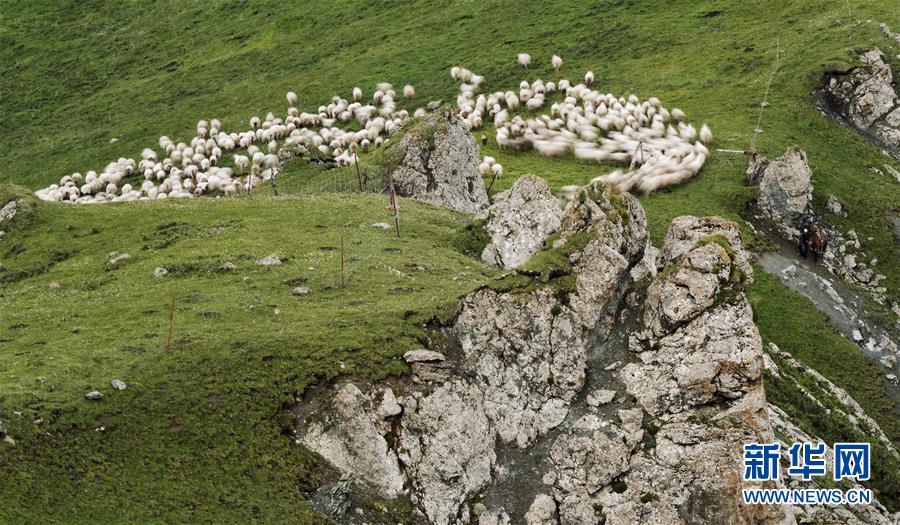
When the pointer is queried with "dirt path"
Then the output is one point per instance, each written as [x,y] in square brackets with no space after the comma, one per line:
[844,306]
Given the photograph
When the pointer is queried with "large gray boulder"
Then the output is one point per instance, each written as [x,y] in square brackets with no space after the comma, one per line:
[785,188]
[518,222]
[440,164]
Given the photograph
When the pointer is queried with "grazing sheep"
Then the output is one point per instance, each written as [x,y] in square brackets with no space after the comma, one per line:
[524,59]
[658,143]
[556,61]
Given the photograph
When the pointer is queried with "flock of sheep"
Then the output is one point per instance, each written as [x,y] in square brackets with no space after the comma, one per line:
[660,147]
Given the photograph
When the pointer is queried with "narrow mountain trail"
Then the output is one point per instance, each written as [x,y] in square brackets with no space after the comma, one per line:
[844,306]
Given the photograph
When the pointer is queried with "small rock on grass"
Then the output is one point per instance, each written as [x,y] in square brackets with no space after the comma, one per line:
[271,260]
[93,395]
[118,385]
[118,258]
[301,290]
[160,272]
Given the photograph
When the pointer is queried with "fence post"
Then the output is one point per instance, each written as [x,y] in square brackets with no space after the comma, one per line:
[393,198]
[358,176]
[171,324]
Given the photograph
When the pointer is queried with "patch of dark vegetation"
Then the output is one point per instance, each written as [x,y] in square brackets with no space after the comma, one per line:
[198,267]
[170,232]
[472,239]
[134,349]
[15,275]
[15,249]
[712,14]
[295,282]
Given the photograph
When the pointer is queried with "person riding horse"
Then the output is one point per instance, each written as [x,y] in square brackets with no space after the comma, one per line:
[813,240]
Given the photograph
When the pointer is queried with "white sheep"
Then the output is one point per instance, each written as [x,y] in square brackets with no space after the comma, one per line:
[556,61]
[524,59]
[291,98]
[589,78]
[408,91]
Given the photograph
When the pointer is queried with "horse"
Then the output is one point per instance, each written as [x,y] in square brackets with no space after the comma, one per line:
[813,240]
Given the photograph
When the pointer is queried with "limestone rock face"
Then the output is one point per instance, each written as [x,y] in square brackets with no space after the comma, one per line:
[447,447]
[518,222]
[542,511]
[440,164]
[867,93]
[616,229]
[508,434]
[865,98]
[527,354]
[699,373]
[349,439]
[785,190]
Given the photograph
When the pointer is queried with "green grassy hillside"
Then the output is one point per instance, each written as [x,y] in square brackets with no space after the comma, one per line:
[197,436]
[76,74]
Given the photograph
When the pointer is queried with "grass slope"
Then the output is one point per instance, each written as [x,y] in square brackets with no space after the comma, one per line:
[789,320]
[196,437]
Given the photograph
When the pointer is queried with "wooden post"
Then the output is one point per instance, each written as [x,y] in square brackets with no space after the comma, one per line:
[171,324]
[342,261]
[493,178]
[358,176]
[393,198]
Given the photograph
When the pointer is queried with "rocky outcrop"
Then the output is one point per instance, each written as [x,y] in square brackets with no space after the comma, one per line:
[8,211]
[447,447]
[527,354]
[866,100]
[350,440]
[527,426]
[518,222]
[785,190]
[699,376]
[440,164]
